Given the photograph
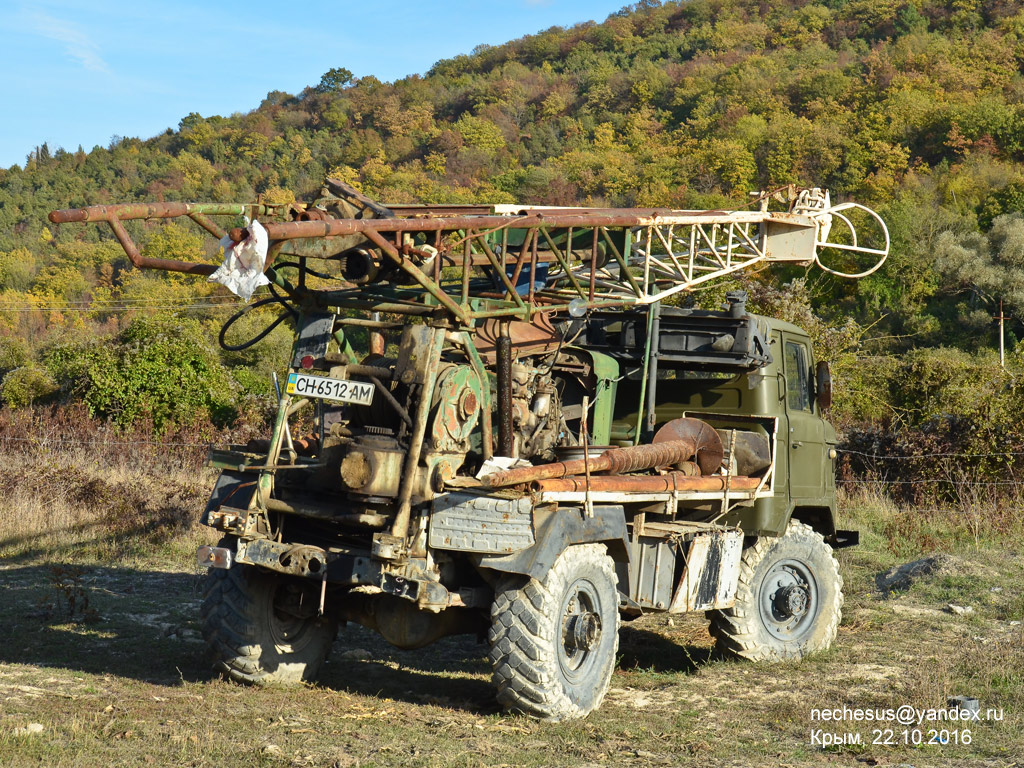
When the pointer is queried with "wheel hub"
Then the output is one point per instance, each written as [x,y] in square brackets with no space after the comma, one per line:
[788,600]
[582,631]
[289,620]
[791,601]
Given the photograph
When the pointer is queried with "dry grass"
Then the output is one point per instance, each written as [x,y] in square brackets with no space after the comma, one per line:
[101,663]
[978,517]
[76,489]
[65,504]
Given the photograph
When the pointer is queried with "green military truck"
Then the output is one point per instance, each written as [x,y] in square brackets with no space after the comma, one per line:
[496,420]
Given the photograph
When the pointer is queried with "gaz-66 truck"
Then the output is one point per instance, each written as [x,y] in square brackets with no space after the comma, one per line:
[502,420]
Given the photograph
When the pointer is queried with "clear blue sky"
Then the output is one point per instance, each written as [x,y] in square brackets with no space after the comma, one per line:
[77,73]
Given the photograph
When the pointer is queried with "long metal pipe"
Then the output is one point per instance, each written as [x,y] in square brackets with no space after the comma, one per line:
[400,528]
[652,371]
[335,227]
[673,481]
[377,340]
[615,460]
[503,348]
[115,214]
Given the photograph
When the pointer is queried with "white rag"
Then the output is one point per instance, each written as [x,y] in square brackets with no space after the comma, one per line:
[242,270]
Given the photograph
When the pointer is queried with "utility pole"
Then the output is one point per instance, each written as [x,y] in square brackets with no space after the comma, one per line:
[1002,336]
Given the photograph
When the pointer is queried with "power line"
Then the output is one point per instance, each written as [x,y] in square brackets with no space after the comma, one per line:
[64,441]
[929,456]
[123,308]
[129,300]
[970,483]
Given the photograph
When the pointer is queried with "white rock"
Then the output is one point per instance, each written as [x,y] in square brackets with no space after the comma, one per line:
[960,610]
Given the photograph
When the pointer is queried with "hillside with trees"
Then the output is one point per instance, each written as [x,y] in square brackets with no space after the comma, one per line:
[913,107]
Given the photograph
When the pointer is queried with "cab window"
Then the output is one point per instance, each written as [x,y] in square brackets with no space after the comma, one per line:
[798,393]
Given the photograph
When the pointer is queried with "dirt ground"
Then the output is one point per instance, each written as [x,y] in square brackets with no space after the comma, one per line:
[123,682]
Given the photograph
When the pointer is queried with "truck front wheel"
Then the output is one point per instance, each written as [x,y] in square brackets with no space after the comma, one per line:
[788,601]
[262,627]
[553,641]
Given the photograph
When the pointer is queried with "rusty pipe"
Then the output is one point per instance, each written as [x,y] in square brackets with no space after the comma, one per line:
[114,215]
[621,218]
[371,228]
[378,343]
[128,211]
[674,481]
[615,461]
[598,217]
[400,526]
[506,438]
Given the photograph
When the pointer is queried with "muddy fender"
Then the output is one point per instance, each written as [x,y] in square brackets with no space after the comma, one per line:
[557,530]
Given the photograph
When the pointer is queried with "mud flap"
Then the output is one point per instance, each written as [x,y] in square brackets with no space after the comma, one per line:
[233,489]
[711,573]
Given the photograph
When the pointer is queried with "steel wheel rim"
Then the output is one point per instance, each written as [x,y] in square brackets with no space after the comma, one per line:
[788,600]
[288,631]
[581,632]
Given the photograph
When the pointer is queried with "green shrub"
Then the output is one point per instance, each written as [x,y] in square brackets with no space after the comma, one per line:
[13,353]
[23,386]
[161,368]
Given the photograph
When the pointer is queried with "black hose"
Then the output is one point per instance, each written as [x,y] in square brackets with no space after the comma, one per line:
[262,334]
[283,300]
[314,273]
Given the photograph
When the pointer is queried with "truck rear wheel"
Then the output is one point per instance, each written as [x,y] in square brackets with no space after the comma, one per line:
[553,641]
[262,627]
[788,602]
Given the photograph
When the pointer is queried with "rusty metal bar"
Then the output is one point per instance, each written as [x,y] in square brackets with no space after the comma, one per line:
[368,370]
[528,219]
[467,256]
[623,218]
[400,527]
[673,481]
[377,340]
[147,262]
[533,268]
[524,251]
[415,274]
[623,266]
[208,224]
[653,353]
[486,426]
[593,266]
[129,211]
[564,262]
[615,461]
[503,349]
[500,270]
[114,215]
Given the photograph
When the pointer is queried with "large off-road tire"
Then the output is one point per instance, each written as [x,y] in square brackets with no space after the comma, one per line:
[553,642]
[789,599]
[257,630]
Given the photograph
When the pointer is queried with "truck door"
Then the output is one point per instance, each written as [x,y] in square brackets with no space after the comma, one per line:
[807,460]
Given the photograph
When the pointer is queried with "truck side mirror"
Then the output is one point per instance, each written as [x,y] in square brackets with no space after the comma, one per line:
[823,379]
